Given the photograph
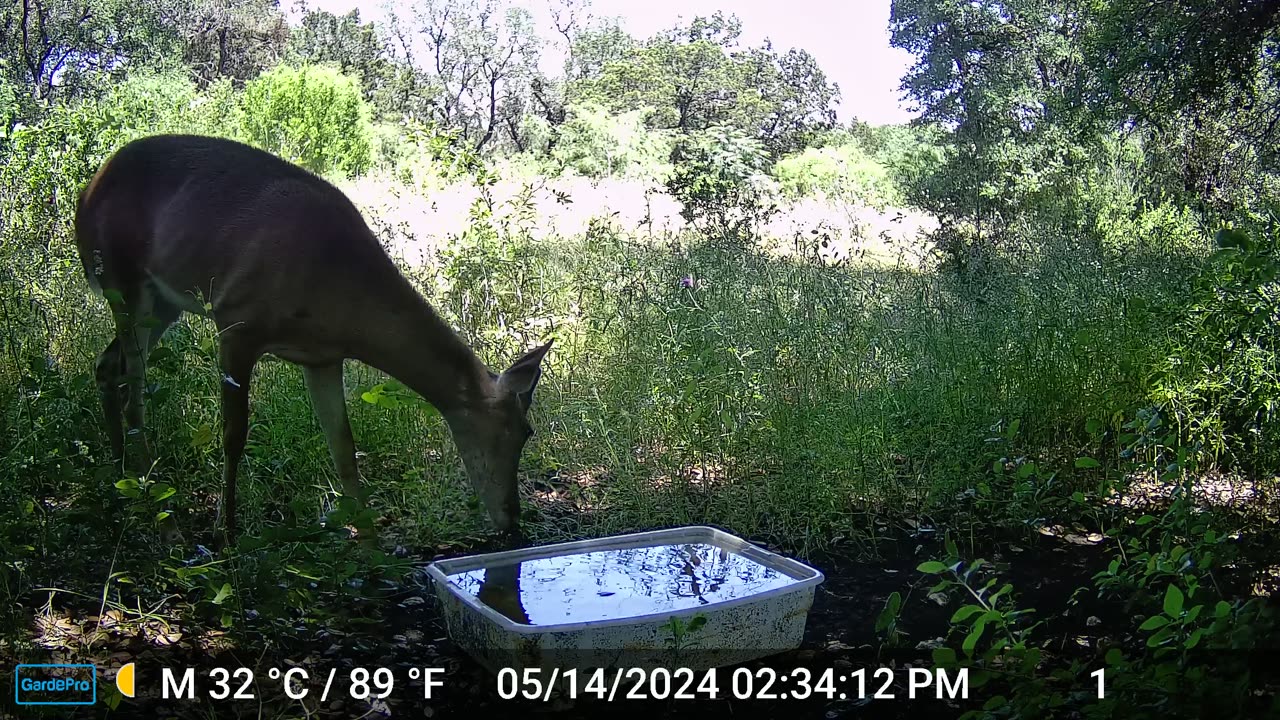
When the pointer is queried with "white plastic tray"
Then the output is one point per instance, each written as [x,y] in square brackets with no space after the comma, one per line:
[734,630]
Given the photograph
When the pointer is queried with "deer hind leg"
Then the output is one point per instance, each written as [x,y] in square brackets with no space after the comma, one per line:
[328,401]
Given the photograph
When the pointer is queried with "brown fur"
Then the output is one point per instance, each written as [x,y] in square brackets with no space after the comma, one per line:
[285,264]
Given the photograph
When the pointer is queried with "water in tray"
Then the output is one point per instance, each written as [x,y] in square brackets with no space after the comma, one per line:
[608,584]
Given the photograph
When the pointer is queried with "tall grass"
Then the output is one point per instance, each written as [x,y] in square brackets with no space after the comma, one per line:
[693,380]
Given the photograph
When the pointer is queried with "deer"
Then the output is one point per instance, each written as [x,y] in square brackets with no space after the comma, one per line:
[284,264]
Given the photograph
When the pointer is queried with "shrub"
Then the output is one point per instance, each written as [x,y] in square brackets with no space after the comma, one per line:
[44,166]
[844,172]
[430,157]
[8,102]
[1219,380]
[596,143]
[313,115]
[716,175]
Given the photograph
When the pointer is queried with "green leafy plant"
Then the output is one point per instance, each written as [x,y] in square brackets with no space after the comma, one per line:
[716,176]
[680,631]
[991,613]
[1218,382]
[598,144]
[149,497]
[842,172]
[887,620]
[1164,573]
[313,115]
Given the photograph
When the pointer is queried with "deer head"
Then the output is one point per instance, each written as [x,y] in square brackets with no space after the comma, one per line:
[490,434]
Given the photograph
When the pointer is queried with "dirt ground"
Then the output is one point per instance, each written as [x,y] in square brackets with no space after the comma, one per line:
[839,636]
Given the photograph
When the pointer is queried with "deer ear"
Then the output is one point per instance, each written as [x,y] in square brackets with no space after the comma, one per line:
[523,375]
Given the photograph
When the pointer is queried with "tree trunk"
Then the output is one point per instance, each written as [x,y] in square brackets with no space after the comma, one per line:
[493,113]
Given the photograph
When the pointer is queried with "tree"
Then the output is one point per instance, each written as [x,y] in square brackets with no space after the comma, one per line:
[695,77]
[1199,78]
[235,39]
[312,115]
[61,50]
[597,143]
[596,46]
[54,49]
[801,100]
[1031,92]
[584,46]
[354,47]
[479,58]
[1155,57]
[1006,78]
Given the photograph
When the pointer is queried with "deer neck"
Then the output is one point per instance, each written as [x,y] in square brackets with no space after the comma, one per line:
[413,344]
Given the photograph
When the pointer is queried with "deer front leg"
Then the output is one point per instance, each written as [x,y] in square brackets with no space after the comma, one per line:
[237,362]
[139,327]
[328,401]
[131,343]
[109,373]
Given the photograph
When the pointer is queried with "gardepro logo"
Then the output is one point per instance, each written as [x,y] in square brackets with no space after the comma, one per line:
[55,684]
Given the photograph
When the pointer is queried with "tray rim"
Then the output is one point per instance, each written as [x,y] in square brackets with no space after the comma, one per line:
[807,577]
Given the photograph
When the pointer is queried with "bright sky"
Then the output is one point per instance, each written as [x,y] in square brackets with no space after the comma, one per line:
[849,39]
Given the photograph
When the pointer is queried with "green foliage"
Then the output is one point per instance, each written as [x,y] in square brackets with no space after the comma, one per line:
[695,78]
[58,52]
[910,154]
[702,379]
[354,47]
[1182,655]
[313,115]
[1007,141]
[233,41]
[716,176]
[1032,99]
[8,101]
[843,172]
[887,620]
[480,69]
[596,143]
[445,153]
[44,168]
[683,634]
[55,158]
[488,272]
[1157,58]
[1112,205]
[1218,381]
[992,626]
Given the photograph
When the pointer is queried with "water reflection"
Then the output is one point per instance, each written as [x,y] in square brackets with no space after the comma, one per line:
[607,584]
[500,590]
